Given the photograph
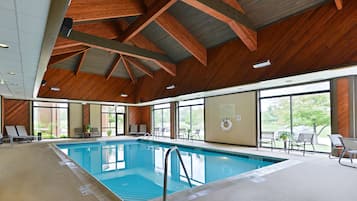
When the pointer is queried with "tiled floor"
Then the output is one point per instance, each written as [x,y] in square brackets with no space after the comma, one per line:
[35,172]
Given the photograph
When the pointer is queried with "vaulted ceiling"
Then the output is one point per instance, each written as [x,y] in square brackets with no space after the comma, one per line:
[174,29]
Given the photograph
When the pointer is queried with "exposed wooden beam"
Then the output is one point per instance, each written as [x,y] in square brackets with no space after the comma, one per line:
[69,50]
[234,4]
[139,24]
[177,31]
[105,29]
[114,46]
[223,11]
[141,41]
[113,67]
[130,72]
[62,57]
[339,4]
[87,10]
[139,66]
[80,63]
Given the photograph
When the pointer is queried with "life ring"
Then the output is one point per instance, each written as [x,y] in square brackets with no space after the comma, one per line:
[226,124]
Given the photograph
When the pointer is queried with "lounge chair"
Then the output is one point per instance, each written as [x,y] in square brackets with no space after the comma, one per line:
[336,144]
[268,137]
[302,140]
[1,137]
[350,147]
[12,133]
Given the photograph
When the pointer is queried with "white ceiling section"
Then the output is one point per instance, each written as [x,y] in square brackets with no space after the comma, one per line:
[22,27]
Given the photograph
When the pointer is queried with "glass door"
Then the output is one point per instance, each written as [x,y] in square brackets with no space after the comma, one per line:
[120,125]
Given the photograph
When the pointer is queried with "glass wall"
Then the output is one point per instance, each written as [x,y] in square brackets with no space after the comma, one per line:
[113,120]
[161,120]
[303,109]
[191,119]
[51,119]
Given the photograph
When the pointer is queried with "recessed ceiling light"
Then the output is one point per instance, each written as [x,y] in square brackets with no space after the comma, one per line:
[2,45]
[2,81]
[124,95]
[11,73]
[84,103]
[170,87]
[262,64]
[55,89]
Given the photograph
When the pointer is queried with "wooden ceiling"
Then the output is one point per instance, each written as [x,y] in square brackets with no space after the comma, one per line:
[134,39]
[178,29]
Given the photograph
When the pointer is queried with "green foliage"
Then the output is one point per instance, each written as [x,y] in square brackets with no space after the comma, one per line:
[308,110]
[284,136]
[109,132]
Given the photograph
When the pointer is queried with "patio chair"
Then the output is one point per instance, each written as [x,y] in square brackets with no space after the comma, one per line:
[78,132]
[350,147]
[142,129]
[133,129]
[336,144]
[196,133]
[182,133]
[94,132]
[12,133]
[156,131]
[302,139]
[268,137]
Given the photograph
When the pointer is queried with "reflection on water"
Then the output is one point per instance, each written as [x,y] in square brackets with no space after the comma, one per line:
[125,166]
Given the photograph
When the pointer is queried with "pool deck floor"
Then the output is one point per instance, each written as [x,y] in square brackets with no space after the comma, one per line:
[35,172]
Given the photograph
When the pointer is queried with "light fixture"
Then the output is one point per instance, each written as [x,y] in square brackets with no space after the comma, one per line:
[262,64]
[2,81]
[2,45]
[55,89]
[170,87]
[11,73]
[124,95]
[84,103]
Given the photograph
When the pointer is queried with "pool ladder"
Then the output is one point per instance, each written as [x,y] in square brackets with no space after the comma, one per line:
[174,148]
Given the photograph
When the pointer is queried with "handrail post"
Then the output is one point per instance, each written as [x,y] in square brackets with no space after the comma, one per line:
[174,148]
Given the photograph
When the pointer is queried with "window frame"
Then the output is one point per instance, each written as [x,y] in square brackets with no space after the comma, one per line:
[290,96]
[190,106]
[50,107]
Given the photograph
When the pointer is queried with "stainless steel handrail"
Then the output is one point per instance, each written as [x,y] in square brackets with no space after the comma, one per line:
[174,148]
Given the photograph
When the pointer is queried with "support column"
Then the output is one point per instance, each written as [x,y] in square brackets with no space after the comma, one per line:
[173,120]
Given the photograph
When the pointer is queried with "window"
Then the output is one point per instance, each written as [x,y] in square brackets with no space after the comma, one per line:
[161,120]
[113,120]
[113,157]
[50,119]
[298,109]
[191,119]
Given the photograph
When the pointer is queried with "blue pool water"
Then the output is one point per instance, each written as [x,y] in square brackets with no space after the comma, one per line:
[134,169]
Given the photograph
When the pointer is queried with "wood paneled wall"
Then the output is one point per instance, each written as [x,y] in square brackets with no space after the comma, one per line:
[343,106]
[17,112]
[319,39]
[86,114]
[140,115]
[85,86]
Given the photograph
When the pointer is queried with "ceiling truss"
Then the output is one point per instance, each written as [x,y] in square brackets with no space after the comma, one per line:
[94,27]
